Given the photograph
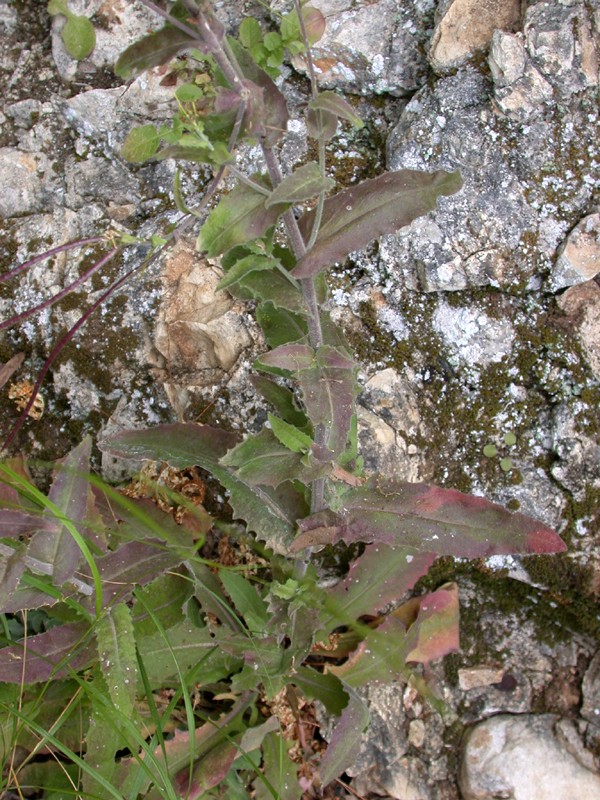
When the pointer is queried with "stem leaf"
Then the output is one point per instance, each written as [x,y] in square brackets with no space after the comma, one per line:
[303,184]
[355,216]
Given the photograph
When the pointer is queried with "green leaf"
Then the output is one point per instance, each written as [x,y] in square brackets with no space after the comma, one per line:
[57,7]
[302,184]
[271,514]
[151,51]
[289,436]
[189,645]
[314,24]
[269,287]
[280,325]
[239,217]
[79,37]
[118,661]
[282,399]
[346,739]
[281,774]
[355,216]
[321,124]
[140,144]
[322,686]
[12,566]
[243,267]
[428,519]
[334,104]
[250,33]
[262,460]
[101,744]
[188,93]
[165,597]
[246,600]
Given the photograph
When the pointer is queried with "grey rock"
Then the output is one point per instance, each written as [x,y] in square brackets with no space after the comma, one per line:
[578,465]
[521,192]
[100,179]
[581,305]
[590,708]
[8,19]
[23,177]
[373,46]
[521,757]
[579,256]
[473,337]
[465,26]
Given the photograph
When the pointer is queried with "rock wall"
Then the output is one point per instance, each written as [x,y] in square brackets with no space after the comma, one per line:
[477,327]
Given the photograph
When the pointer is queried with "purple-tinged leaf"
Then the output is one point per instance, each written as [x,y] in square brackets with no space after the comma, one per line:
[151,51]
[208,772]
[321,124]
[69,492]
[303,184]
[133,778]
[25,597]
[381,575]
[15,523]
[428,519]
[12,365]
[280,771]
[11,568]
[291,357]
[314,23]
[239,217]
[435,632]
[134,563]
[346,738]
[354,217]
[334,104]
[271,514]
[328,391]
[38,658]
[276,112]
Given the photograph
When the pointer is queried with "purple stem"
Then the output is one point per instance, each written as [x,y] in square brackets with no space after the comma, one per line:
[67,290]
[48,254]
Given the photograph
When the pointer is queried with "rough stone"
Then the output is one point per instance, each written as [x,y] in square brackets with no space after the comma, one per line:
[579,257]
[465,26]
[24,181]
[389,423]
[578,465]
[477,677]
[581,304]
[373,46]
[510,756]
[473,336]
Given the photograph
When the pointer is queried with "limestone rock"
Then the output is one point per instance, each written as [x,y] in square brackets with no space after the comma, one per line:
[465,26]
[520,757]
[473,337]
[579,257]
[578,452]
[373,46]
[581,304]
[24,181]
[556,55]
